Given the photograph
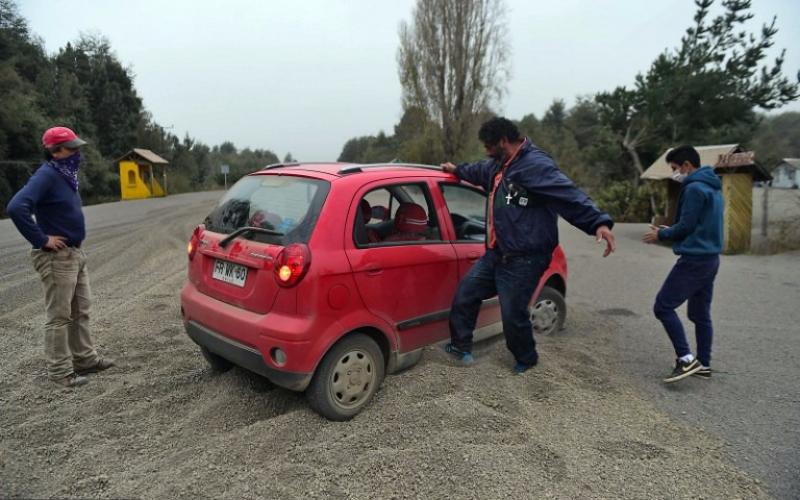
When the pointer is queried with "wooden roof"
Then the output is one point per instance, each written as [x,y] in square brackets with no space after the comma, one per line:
[660,170]
[143,156]
[709,155]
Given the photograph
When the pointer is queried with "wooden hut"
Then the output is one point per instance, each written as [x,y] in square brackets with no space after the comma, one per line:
[139,173]
[738,170]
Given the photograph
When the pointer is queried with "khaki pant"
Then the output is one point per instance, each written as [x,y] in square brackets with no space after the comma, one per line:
[67,337]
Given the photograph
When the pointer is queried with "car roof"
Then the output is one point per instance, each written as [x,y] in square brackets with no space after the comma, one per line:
[333,170]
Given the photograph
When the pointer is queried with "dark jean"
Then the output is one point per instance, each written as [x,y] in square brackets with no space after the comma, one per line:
[513,280]
[692,279]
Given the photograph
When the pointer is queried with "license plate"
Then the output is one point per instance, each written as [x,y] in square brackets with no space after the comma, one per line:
[229,272]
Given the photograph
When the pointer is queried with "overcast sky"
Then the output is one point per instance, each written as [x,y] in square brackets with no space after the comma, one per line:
[304,77]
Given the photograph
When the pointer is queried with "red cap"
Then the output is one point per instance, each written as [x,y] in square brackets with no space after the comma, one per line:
[61,136]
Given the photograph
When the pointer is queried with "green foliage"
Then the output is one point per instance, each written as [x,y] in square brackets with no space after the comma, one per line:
[777,137]
[703,92]
[626,202]
[86,88]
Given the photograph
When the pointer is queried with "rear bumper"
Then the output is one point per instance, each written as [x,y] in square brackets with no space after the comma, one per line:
[245,356]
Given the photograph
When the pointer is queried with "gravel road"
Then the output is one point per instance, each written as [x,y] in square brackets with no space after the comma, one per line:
[753,400]
[591,421]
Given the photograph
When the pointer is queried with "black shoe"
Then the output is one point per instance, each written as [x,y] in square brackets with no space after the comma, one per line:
[683,369]
[703,372]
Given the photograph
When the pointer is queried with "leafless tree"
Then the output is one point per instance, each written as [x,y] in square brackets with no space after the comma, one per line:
[453,63]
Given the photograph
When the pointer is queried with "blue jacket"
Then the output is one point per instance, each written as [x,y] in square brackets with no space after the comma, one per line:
[527,203]
[57,208]
[698,226]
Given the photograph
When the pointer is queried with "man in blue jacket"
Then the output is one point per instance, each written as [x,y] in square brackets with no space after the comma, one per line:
[697,240]
[527,192]
[56,234]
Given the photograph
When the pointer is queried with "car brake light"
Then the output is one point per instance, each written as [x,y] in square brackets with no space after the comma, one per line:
[194,241]
[292,264]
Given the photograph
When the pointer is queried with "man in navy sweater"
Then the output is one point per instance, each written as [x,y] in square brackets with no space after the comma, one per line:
[56,233]
[526,194]
[697,239]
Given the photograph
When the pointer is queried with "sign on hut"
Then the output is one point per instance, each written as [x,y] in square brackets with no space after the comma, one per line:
[139,173]
[738,170]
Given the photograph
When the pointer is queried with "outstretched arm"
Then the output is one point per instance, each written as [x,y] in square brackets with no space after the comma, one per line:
[689,216]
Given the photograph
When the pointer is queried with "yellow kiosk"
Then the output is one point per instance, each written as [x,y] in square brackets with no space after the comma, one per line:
[139,173]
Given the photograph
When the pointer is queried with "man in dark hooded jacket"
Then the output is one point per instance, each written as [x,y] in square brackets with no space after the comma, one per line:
[697,239]
[527,192]
[47,211]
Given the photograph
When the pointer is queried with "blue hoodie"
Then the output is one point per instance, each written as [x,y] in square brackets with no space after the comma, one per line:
[698,226]
[56,205]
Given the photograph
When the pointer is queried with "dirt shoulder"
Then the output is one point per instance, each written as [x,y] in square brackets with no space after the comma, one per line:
[162,426]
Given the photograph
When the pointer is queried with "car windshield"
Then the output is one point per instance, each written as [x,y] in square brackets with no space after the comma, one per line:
[286,205]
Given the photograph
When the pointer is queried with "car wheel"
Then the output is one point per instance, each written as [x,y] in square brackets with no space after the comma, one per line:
[347,378]
[217,363]
[548,312]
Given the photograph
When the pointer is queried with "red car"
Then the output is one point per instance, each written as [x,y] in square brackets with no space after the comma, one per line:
[324,277]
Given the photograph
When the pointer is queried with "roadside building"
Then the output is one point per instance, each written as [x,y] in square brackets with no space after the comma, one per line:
[786,174]
[139,174]
[738,170]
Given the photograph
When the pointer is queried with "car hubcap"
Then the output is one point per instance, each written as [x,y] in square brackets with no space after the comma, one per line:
[353,378]
[544,316]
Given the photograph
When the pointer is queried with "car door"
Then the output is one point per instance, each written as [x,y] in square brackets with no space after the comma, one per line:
[406,280]
[466,209]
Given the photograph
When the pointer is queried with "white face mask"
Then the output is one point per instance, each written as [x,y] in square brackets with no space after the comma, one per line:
[678,176]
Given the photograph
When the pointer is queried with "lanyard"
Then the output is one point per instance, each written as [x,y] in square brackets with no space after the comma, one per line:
[492,237]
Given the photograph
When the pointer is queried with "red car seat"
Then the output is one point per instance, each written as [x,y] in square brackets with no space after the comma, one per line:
[410,223]
[366,214]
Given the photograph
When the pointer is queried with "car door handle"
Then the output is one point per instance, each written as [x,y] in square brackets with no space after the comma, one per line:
[373,270]
[473,256]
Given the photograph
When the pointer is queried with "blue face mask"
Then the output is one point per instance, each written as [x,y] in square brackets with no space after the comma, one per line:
[68,168]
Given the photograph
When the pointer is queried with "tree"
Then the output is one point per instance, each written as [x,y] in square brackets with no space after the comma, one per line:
[289,158]
[453,63]
[704,91]
[777,137]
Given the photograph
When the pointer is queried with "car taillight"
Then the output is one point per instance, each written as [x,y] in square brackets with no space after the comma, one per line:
[194,241]
[292,264]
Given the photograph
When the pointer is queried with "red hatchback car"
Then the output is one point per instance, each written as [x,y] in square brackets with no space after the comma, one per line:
[324,277]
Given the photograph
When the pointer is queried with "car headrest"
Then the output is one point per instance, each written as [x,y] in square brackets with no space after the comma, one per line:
[410,218]
[366,210]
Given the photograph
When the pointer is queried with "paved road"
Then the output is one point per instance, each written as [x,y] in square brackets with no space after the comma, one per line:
[753,400]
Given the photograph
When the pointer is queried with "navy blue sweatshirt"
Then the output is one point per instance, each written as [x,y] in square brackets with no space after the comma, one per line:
[698,226]
[532,227]
[57,207]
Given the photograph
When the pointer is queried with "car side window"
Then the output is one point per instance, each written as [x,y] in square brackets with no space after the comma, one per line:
[396,214]
[467,207]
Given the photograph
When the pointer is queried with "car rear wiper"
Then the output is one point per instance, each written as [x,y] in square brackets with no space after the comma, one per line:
[247,229]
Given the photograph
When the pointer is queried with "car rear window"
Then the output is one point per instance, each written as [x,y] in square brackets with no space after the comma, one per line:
[283,203]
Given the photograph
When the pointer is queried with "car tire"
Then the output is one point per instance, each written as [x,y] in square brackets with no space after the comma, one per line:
[548,312]
[347,377]
[218,363]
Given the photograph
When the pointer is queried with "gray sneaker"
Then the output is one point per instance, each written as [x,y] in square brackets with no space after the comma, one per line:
[102,364]
[72,380]
[682,370]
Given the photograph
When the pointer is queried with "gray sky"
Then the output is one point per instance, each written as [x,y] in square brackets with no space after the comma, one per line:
[304,77]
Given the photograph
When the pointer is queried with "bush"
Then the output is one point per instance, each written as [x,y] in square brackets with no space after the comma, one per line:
[625,202]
